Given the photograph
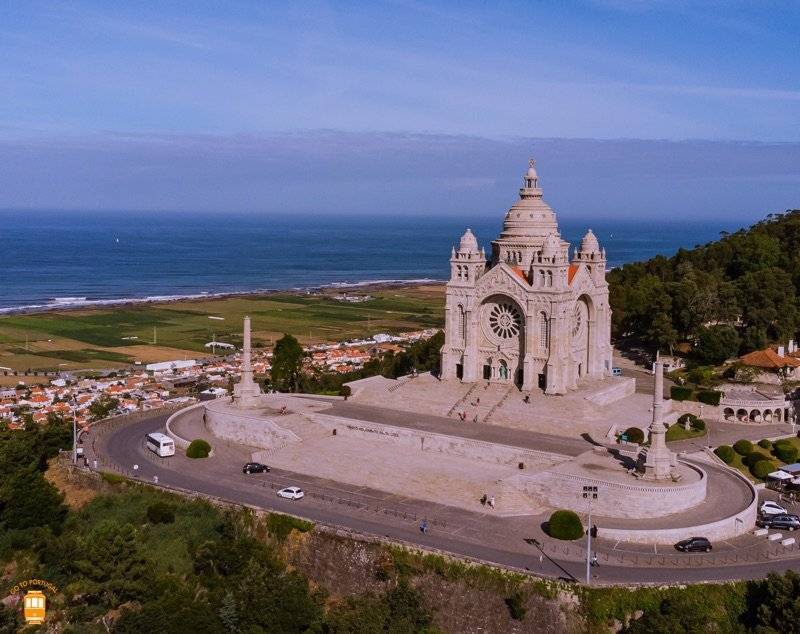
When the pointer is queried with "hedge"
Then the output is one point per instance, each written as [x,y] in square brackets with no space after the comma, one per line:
[634,434]
[725,453]
[754,457]
[762,468]
[565,525]
[783,442]
[698,424]
[784,453]
[198,448]
[765,444]
[709,397]
[743,447]
[678,393]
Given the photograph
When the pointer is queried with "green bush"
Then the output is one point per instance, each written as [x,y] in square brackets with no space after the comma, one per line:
[709,397]
[160,513]
[516,606]
[761,468]
[678,393]
[765,444]
[786,453]
[743,447]
[684,417]
[565,525]
[725,453]
[783,442]
[279,525]
[634,434]
[754,457]
[198,448]
[698,424]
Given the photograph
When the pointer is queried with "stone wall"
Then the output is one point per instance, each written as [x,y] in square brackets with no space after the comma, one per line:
[615,499]
[439,443]
[245,427]
[619,388]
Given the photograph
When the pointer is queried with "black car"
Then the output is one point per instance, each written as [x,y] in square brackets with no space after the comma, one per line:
[786,522]
[694,545]
[254,467]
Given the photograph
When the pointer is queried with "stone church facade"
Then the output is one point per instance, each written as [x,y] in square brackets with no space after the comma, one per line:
[528,315]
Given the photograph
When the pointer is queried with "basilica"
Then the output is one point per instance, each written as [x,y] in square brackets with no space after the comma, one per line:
[528,315]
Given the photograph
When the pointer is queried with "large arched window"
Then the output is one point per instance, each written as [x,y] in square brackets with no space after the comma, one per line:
[544,331]
[462,324]
[549,278]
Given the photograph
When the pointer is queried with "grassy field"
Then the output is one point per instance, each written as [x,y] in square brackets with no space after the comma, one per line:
[114,337]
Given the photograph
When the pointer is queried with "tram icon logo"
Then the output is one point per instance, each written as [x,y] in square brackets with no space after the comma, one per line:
[35,607]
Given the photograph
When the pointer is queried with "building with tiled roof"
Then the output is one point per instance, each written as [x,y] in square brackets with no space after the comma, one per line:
[528,315]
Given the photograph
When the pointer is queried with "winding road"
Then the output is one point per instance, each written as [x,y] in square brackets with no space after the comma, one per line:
[516,542]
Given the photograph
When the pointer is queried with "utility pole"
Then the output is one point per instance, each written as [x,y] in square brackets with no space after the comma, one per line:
[74,431]
[589,494]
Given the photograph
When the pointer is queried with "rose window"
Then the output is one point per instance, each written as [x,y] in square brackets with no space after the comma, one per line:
[505,320]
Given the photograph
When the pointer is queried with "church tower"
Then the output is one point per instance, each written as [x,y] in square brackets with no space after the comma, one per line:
[528,316]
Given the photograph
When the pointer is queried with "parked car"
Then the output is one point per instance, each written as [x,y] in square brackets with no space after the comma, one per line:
[694,545]
[772,508]
[784,522]
[291,493]
[255,467]
[616,371]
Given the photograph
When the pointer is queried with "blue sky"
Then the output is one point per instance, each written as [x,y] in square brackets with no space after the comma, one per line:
[234,105]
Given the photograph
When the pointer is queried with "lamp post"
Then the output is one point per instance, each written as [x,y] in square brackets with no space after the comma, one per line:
[589,494]
[74,431]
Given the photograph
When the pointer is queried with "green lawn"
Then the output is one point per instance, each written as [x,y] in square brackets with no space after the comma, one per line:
[677,432]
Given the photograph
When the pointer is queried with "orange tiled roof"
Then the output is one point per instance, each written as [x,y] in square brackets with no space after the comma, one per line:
[520,273]
[769,359]
[573,268]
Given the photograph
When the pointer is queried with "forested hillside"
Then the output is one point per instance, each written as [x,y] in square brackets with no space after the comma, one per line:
[737,294]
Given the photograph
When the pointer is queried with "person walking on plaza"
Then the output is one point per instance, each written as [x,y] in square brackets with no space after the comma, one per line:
[136,471]
[594,560]
[423,527]
[491,502]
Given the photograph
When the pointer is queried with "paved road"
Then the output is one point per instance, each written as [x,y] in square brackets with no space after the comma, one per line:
[476,535]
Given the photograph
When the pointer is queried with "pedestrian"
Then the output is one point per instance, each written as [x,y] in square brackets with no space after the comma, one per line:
[527,398]
[594,560]
[491,502]
[475,420]
[136,471]
[94,464]
[484,498]
[423,527]
[155,479]
[478,400]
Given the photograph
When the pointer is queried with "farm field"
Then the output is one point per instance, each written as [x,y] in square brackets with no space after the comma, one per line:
[117,336]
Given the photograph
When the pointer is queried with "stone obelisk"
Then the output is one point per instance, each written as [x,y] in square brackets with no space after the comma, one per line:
[659,461]
[246,392]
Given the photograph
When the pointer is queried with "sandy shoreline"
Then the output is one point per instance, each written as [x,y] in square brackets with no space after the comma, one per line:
[82,305]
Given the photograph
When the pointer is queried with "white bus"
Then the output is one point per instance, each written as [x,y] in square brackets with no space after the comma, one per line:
[161,444]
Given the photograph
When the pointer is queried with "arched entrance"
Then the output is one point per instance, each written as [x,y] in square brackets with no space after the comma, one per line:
[502,339]
[580,333]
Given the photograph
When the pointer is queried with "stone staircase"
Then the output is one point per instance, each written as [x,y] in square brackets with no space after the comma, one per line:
[511,389]
[300,425]
[459,404]
[401,382]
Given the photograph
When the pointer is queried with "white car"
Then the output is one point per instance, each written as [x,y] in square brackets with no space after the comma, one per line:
[291,493]
[772,508]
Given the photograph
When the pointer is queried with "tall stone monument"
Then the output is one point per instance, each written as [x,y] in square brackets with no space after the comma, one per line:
[246,393]
[659,462]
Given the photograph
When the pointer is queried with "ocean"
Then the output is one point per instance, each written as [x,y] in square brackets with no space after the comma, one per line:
[55,259]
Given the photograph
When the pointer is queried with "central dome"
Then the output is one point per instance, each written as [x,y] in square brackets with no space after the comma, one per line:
[531,216]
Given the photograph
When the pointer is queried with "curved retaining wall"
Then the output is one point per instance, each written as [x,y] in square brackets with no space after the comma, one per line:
[726,528]
[614,499]
[195,411]
[245,428]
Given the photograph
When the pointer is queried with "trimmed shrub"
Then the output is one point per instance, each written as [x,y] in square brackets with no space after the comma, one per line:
[565,525]
[634,434]
[709,397]
[786,453]
[761,468]
[198,448]
[754,457]
[679,393]
[160,513]
[783,442]
[684,417]
[725,453]
[698,424]
[743,447]
[765,444]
